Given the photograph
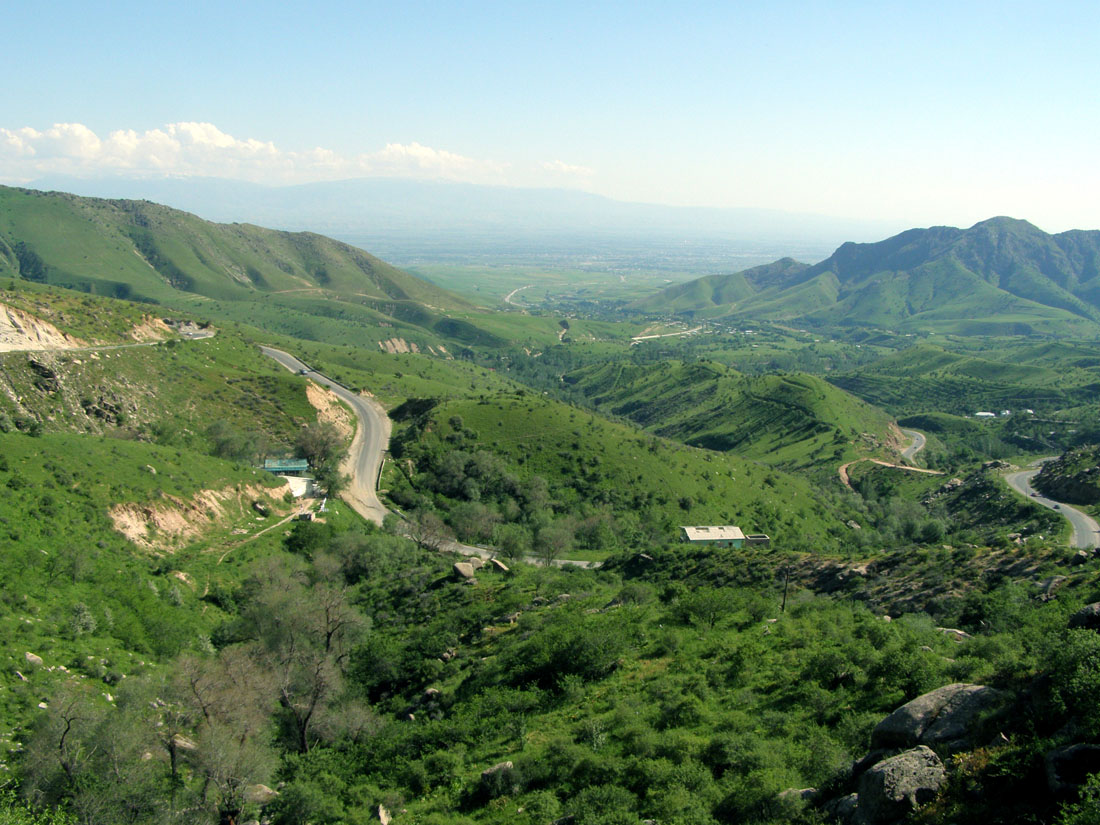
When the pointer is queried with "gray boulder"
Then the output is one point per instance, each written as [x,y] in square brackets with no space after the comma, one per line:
[463,570]
[842,809]
[894,787]
[944,718]
[1069,767]
[1087,617]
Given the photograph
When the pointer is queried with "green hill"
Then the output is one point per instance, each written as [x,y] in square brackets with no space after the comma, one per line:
[792,420]
[295,283]
[926,377]
[541,465]
[1001,276]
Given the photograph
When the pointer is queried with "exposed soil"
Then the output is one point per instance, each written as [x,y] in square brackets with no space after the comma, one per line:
[20,330]
[330,410]
[165,525]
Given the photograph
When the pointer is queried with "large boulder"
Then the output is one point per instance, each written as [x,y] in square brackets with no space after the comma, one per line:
[894,787]
[943,718]
[1068,768]
[1087,617]
[463,570]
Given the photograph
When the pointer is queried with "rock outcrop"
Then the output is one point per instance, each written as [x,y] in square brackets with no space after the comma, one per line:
[1068,768]
[895,787]
[1087,617]
[943,718]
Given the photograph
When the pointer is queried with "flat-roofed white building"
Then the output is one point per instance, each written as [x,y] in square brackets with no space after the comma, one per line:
[722,536]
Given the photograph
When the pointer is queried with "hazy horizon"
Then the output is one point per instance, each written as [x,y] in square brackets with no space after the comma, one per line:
[937,114]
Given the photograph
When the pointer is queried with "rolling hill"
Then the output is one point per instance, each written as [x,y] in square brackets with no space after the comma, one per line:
[791,420]
[1001,276]
[926,377]
[295,283]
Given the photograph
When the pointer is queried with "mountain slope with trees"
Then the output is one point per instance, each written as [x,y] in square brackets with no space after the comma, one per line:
[1000,276]
[296,283]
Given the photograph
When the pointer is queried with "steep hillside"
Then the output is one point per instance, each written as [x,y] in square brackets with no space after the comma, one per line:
[545,469]
[1001,276]
[789,419]
[926,377]
[1073,476]
[296,283]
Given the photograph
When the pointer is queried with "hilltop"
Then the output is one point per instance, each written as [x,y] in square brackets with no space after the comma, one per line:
[788,419]
[296,283]
[1000,276]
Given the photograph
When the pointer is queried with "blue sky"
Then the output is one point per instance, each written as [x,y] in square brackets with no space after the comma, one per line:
[924,113]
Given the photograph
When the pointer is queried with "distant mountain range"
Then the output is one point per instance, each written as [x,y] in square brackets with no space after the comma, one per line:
[414,220]
[999,276]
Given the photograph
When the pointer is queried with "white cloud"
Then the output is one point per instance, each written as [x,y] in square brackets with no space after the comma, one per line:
[560,167]
[202,149]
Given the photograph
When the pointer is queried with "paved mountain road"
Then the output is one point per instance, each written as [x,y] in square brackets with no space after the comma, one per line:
[371,438]
[1086,532]
[916,446]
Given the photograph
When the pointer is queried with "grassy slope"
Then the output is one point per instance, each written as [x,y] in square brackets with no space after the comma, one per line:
[59,549]
[592,464]
[927,377]
[294,283]
[782,419]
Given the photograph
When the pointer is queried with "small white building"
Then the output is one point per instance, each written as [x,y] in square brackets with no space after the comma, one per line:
[724,536]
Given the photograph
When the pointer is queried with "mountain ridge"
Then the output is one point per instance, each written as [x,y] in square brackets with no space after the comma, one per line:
[1001,270]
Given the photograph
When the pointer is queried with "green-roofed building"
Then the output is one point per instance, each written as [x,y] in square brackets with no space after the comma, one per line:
[287,466]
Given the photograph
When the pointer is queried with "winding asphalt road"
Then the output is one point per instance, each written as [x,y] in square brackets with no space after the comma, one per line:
[918,444]
[371,438]
[1086,532]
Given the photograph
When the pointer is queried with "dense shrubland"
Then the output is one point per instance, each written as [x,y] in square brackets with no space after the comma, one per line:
[353,671]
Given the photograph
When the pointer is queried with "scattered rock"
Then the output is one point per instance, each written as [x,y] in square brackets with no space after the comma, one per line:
[943,717]
[1087,617]
[1067,768]
[476,562]
[150,469]
[853,524]
[182,743]
[499,779]
[383,815]
[259,794]
[1080,557]
[843,809]
[32,659]
[498,565]
[954,634]
[1048,588]
[43,706]
[22,678]
[799,794]
[463,570]
[896,786]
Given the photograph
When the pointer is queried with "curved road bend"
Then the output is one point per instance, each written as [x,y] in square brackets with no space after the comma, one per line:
[371,439]
[1086,532]
[365,456]
[918,444]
